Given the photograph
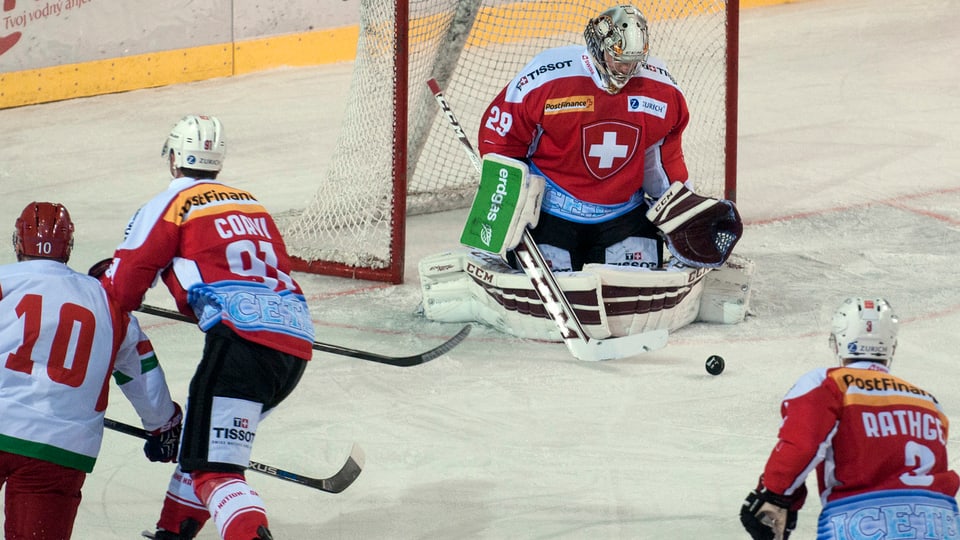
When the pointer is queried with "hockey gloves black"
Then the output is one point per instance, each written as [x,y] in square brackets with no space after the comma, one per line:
[769,516]
[163,443]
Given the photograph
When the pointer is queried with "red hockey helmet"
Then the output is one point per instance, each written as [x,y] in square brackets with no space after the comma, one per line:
[44,230]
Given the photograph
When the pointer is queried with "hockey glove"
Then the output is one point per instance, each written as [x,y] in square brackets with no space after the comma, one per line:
[163,443]
[700,231]
[769,516]
[100,268]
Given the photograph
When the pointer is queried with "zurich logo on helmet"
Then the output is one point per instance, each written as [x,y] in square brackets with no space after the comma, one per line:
[852,346]
[191,160]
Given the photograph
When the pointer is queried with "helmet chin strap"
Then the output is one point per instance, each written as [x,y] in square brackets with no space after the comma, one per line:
[174,170]
[177,172]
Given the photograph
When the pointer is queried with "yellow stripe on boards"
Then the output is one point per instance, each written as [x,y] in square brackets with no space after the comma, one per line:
[114,75]
[317,47]
[151,70]
[308,49]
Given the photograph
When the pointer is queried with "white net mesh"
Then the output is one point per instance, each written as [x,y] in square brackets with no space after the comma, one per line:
[473,48]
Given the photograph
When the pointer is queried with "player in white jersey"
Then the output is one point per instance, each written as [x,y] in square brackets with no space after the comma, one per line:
[60,341]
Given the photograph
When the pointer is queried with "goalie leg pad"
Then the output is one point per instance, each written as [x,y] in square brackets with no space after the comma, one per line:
[469,285]
[506,204]
[474,286]
[727,291]
[638,300]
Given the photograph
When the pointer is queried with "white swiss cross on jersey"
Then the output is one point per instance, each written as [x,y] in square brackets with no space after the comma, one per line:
[608,146]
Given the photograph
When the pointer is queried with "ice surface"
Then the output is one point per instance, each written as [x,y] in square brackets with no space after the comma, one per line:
[849,130]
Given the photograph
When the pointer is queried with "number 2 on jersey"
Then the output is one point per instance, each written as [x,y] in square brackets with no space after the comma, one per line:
[922,459]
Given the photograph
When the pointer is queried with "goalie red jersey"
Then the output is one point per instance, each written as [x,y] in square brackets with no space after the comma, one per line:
[874,439]
[223,260]
[598,147]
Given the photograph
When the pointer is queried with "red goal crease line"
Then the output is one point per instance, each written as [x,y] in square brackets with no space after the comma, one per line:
[893,202]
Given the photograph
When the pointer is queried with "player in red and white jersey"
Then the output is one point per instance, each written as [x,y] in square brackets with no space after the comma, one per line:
[877,442]
[603,125]
[60,340]
[222,258]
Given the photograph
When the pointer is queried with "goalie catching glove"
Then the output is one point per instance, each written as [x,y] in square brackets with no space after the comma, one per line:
[699,231]
[506,204]
[769,516]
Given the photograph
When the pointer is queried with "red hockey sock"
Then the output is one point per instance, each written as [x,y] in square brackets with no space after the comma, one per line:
[236,508]
[181,503]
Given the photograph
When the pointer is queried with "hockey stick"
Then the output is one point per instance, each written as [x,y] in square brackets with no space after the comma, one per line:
[335,484]
[398,361]
[558,307]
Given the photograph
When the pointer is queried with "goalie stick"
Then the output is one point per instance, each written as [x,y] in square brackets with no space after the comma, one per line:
[558,307]
[398,361]
[340,481]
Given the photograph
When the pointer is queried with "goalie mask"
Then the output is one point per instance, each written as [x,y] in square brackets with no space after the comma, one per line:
[619,44]
[196,142]
[864,329]
[44,231]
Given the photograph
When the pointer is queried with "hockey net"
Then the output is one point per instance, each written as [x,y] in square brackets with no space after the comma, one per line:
[396,155]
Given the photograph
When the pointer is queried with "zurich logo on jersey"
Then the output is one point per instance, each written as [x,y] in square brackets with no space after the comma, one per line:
[647,105]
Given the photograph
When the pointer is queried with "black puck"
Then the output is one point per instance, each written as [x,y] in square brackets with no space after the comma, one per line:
[714,365]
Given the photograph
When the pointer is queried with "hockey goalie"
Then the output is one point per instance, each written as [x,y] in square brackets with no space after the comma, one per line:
[590,139]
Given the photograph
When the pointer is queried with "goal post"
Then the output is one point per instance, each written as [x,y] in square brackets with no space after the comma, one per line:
[395,157]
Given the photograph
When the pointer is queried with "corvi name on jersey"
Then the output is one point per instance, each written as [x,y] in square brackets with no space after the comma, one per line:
[239,225]
[647,105]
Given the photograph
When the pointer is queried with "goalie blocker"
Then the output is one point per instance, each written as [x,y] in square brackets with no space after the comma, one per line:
[506,203]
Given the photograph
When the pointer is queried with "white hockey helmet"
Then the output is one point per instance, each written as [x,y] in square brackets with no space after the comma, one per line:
[196,142]
[621,33]
[864,329]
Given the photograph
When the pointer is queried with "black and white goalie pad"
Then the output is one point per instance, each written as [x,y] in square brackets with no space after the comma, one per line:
[699,231]
[466,285]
